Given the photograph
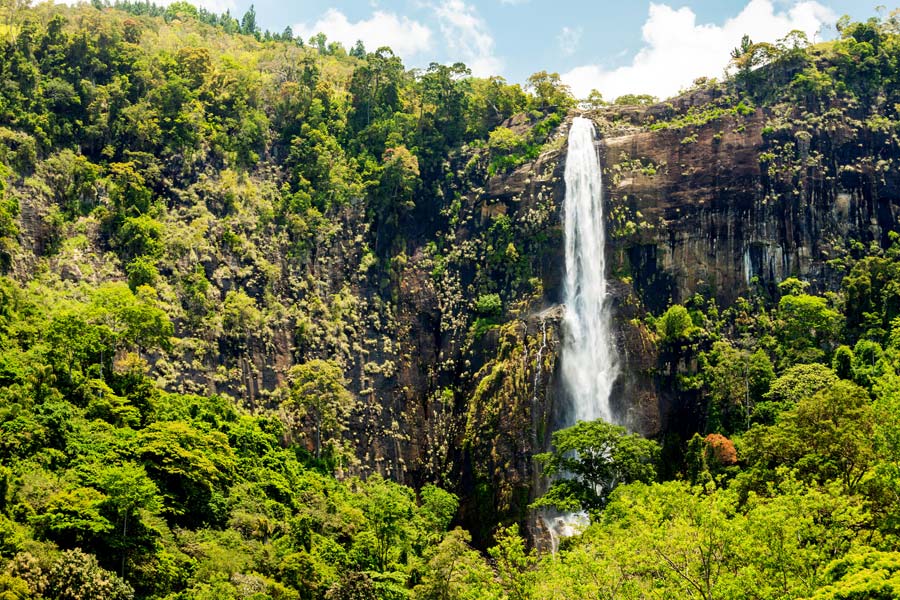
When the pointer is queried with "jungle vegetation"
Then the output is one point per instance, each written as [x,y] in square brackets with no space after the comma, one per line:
[139,145]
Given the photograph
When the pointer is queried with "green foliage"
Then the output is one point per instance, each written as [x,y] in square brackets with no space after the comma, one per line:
[807,328]
[826,436]
[736,381]
[515,564]
[592,459]
[77,575]
[792,386]
[862,574]
[316,392]
[489,305]
[675,326]
[549,91]
[636,99]
[455,571]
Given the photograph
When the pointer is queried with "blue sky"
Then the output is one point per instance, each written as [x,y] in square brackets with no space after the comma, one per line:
[615,46]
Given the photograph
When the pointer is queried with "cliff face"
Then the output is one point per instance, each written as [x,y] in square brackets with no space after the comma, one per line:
[445,391]
[712,208]
[724,208]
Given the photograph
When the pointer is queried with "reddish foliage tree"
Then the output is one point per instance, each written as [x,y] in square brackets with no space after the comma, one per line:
[720,449]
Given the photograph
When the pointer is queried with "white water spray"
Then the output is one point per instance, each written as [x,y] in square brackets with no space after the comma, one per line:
[588,357]
[589,366]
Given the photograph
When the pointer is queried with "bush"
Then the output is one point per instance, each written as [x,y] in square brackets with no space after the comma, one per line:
[489,305]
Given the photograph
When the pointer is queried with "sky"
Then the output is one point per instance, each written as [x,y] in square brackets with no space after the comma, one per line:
[615,46]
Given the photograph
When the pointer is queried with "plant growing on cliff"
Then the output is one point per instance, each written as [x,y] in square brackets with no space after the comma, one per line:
[316,393]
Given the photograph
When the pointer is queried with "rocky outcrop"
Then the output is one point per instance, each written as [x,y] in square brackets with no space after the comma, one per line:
[743,200]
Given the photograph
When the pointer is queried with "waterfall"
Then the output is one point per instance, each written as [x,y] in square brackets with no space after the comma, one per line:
[588,357]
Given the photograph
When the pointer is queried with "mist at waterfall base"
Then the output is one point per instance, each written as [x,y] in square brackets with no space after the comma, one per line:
[588,356]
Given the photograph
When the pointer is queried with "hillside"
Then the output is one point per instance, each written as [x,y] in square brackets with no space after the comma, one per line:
[279,320]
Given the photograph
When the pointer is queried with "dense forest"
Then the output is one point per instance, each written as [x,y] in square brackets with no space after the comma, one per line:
[259,337]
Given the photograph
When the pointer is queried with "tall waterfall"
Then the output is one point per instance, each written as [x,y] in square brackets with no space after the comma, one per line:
[588,357]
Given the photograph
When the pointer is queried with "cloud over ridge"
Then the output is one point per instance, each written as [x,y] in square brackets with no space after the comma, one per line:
[405,36]
[677,49]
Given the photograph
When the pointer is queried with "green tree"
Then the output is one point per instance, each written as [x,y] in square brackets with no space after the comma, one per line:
[389,508]
[592,458]
[675,326]
[515,565]
[827,436]
[735,380]
[128,491]
[73,517]
[793,385]
[248,22]
[190,467]
[455,571]
[806,326]
[863,573]
[317,393]
[549,91]
[636,100]
[77,575]
[595,100]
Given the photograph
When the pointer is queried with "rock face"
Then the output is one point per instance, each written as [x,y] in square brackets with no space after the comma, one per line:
[446,393]
[730,207]
[742,201]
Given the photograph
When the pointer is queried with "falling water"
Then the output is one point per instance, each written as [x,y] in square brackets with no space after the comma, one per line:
[588,358]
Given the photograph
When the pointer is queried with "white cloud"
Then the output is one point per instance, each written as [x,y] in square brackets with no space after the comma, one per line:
[569,39]
[677,50]
[467,37]
[405,36]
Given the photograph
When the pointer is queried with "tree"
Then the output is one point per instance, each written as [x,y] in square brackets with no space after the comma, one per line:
[389,508]
[592,458]
[189,466]
[76,575]
[515,564]
[455,571]
[358,50]
[675,326]
[133,319]
[505,140]
[863,573]
[595,100]
[735,380]
[353,586]
[128,190]
[73,517]
[807,327]
[795,384]
[827,436]
[316,392]
[492,101]
[636,100]
[749,56]
[549,91]
[73,181]
[128,491]
[248,22]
